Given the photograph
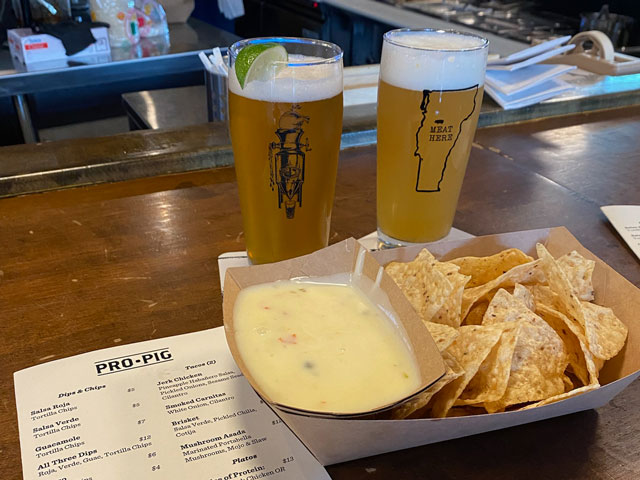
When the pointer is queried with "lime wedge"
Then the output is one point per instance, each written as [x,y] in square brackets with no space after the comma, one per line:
[260,62]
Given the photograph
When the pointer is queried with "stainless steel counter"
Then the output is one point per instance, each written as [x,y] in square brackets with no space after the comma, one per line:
[398,17]
[181,107]
[152,57]
[166,108]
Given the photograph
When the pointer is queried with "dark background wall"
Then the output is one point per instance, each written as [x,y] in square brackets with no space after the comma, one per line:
[575,7]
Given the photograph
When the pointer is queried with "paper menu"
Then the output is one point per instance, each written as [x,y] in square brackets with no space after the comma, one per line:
[534,51]
[530,96]
[169,408]
[532,60]
[626,220]
[510,83]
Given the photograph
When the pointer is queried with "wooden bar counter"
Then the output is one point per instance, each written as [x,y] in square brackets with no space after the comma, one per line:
[98,266]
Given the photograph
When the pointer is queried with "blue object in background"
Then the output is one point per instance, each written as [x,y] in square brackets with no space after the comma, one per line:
[208,11]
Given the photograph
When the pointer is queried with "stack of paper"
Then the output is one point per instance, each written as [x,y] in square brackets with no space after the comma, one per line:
[520,80]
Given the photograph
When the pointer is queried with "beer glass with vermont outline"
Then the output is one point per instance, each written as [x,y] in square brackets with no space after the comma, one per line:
[285,132]
[429,97]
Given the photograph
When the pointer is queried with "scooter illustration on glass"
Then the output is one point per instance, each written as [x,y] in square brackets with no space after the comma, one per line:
[287,160]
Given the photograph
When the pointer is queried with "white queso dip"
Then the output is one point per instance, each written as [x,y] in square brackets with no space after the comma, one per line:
[322,347]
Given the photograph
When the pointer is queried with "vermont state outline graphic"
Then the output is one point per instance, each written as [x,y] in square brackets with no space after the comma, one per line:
[439,132]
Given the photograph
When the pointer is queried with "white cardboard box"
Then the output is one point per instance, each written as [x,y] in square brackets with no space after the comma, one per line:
[29,47]
[339,440]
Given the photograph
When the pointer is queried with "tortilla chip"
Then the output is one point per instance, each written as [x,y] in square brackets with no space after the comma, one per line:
[525,274]
[426,288]
[537,368]
[599,363]
[539,358]
[484,269]
[543,295]
[528,337]
[575,329]
[579,271]
[504,307]
[575,353]
[490,382]
[568,302]
[450,312]
[470,349]
[562,396]
[474,317]
[443,335]
[605,333]
[446,268]
[568,383]
[465,411]
[415,406]
[523,294]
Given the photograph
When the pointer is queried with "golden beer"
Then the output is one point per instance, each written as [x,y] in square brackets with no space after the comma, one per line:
[429,98]
[286,140]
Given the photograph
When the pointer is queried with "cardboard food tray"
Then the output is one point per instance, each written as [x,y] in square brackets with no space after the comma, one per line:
[347,257]
[338,440]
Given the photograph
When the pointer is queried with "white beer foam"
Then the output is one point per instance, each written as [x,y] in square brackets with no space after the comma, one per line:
[433,61]
[294,84]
